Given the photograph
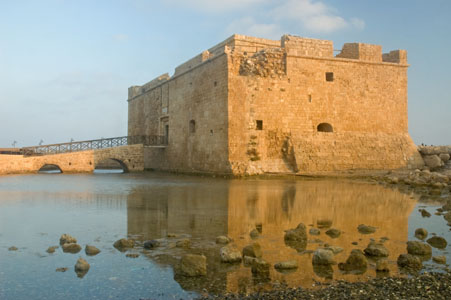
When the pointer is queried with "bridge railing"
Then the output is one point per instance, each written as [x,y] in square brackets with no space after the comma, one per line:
[148,140]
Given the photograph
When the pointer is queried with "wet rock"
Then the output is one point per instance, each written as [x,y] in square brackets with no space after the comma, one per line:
[152,244]
[418,248]
[259,227]
[183,243]
[324,271]
[260,267]
[424,213]
[253,250]
[324,223]
[323,257]
[247,261]
[314,231]
[409,261]
[447,216]
[286,265]
[81,267]
[447,206]
[13,248]
[437,242]
[192,265]
[254,234]
[376,250]
[440,259]
[61,269]
[71,248]
[355,243]
[132,255]
[421,233]
[382,265]
[366,229]
[91,250]
[51,249]
[433,161]
[67,239]
[355,262]
[335,249]
[230,254]
[124,244]
[333,233]
[222,239]
[296,238]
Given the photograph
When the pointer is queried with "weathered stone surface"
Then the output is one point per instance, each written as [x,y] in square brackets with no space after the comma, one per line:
[382,265]
[444,157]
[323,257]
[356,261]
[81,267]
[418,248]
[253,250]
[409,261]
[286,265]
[366,229]
[67,239]
[296,238]
[222,239]
[71,248]
[124,244]
[260,267]
[333,233]
[334,249]
[376,249]
[432,161]
[192,265]
[91,250]
[152,244]
[183,243]
[437,242]
[421,233]
[248,260]
[424,213]
[314,231]
[440,259]
[230,254]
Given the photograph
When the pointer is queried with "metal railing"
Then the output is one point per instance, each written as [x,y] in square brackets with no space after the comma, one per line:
[147,140]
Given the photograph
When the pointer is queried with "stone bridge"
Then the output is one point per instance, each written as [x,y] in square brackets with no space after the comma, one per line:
[130,157]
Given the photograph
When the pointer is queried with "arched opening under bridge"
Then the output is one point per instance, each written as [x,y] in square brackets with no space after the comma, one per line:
[111,165]
[50,169]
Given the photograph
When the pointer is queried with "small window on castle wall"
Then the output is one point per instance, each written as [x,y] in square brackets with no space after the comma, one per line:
[325,127]
[259,125]
[192,126]
[329,76]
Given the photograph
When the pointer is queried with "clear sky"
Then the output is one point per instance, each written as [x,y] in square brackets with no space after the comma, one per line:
[66,65]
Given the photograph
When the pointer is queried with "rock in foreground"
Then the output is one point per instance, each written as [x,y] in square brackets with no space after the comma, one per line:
[91,250]
[192,265]
[323,257]
[81,267]
[124,244]
[67,239]
[230,254]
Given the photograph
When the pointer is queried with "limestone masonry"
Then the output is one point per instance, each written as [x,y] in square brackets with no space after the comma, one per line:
[251,105]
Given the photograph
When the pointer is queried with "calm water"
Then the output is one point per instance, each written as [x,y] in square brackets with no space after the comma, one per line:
[98,209]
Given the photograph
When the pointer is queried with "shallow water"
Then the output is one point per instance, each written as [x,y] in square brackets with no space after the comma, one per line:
[100,208]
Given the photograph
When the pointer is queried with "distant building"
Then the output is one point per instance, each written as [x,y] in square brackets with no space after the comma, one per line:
[251,105]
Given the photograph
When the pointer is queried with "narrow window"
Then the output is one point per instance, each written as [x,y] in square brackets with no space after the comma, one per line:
[325,127]
[329,76]
[310,98]
[215,83]
[259,125]
[192,126]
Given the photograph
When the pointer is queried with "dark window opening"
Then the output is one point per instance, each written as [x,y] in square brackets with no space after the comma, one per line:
[166,134]
[310,98]
[329,76]
[259,125]
[215,83]
[192,126]
[325,127]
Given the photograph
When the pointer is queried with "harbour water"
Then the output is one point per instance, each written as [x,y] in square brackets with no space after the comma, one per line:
[98,209]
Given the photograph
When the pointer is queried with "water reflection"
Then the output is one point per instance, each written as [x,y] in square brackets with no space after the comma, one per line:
[209,208]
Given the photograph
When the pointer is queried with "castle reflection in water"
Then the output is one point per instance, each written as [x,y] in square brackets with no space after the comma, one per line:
[206,208]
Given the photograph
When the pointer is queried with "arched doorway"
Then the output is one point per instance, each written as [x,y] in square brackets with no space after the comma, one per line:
[50,169]
[110,165]
[325,127]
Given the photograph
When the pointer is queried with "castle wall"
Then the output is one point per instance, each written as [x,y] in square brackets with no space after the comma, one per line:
[193,104]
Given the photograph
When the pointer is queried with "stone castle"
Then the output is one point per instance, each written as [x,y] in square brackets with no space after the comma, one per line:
[250,105]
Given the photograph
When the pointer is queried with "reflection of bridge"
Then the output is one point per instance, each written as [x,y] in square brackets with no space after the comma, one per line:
[80,156]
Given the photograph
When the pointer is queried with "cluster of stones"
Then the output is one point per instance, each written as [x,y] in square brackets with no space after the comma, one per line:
[435,156]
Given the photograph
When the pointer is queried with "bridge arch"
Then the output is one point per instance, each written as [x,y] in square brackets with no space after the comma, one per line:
[110,163]
[50,168]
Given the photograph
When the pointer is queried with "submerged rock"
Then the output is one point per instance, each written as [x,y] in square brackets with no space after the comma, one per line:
[222,239]
[91,250]
[71,248]
[334,249]
[376,249]
[260,267]
[333,233]
[230,254]
[421,233]
[382,265]
[132,255]
[253,250]
[296,238]
[324,223]
[286,265]
[437,242]
[254,234]
[64,269]
[81,267]
[124,244]
[13,248]
[323,257]
[192,265]
[424,213]
[183,243]
[314,231]
[51,249]
[409,261]
[247,261]
[67,239]
[366,229]
[418,248]
[440,259]
[152,244]
[355,262]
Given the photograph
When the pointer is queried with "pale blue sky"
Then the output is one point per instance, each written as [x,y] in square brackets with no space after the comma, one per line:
[65,66]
